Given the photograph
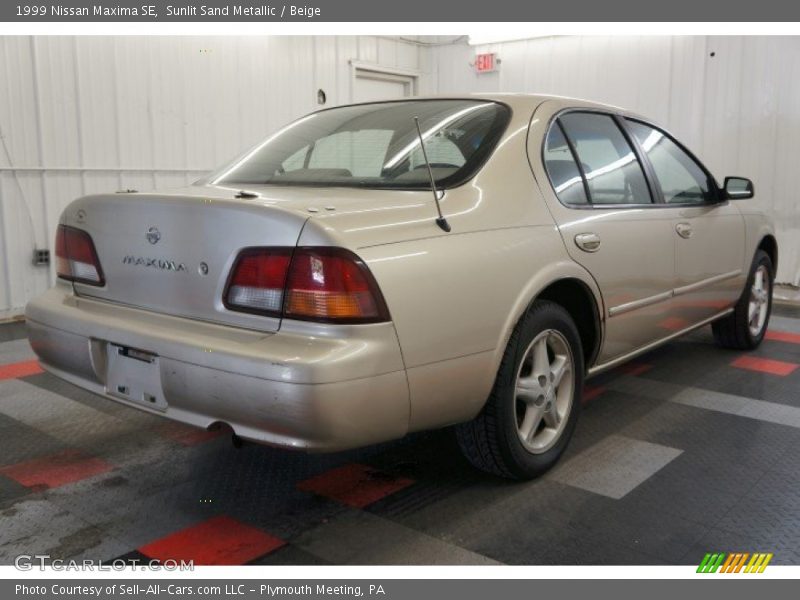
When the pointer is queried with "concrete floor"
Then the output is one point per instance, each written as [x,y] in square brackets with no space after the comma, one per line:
[691,449]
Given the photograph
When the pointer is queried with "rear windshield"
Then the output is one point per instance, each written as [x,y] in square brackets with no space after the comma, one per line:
[375,146]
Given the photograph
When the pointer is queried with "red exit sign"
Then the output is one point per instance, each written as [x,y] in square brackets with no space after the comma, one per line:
[486,63]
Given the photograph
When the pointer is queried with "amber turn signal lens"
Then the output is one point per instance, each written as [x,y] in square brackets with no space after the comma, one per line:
[328,285]
[332,285]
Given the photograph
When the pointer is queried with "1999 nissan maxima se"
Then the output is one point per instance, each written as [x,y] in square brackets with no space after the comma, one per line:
[382,268]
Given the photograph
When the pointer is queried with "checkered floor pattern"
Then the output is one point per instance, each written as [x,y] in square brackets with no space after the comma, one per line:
[690,449]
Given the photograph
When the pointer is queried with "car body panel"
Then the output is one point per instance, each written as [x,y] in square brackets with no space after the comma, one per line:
[654,281]
[709,271]
[163,275]
[343,389]
[635,264]
[454,297]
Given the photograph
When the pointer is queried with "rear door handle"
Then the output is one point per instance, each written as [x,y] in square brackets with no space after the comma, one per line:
[684,230]
[588,242]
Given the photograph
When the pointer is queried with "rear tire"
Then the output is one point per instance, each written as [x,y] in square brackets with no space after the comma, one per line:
[745,327]
[531,413]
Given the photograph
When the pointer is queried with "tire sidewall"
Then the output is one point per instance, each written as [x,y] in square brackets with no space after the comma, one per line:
[541,317]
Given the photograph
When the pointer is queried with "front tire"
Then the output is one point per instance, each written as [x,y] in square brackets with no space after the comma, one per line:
[745,327]
[531,413]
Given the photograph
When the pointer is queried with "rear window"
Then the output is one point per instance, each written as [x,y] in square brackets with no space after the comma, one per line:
[375,146]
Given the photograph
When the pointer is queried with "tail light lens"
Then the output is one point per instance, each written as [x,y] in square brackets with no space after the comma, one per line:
[329,285]
[332,284]
[76,257]
[258,280]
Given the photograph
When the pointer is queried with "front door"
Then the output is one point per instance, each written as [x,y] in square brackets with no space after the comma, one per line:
[709,235]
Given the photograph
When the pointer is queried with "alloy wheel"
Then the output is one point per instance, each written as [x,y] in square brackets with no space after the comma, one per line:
[543,391]
[758,307]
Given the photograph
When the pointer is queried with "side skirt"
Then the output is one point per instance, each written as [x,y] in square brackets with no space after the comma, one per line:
[597,369]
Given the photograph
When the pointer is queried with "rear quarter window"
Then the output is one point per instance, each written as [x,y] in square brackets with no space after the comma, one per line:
[565,177]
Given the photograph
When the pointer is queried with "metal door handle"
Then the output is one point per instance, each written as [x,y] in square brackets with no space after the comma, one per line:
[684,230]
[588,242]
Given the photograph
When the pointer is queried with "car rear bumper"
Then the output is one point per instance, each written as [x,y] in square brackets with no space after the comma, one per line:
[318,388]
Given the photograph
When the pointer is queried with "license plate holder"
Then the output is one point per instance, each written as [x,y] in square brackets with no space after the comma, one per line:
[134,375]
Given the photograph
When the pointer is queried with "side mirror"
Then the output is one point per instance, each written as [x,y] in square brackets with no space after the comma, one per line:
[738,188]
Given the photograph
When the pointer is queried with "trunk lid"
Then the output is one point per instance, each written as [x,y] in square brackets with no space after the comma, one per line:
[172,253]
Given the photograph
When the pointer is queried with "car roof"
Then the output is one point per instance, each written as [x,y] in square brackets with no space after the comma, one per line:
[521,103]
[514,99]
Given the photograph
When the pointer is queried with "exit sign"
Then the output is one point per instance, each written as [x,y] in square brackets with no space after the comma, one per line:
[486,63]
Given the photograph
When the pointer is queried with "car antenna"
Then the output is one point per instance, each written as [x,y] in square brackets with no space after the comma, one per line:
[441,221]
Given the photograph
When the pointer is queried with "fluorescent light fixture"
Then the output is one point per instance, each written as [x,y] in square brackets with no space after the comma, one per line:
[482,39]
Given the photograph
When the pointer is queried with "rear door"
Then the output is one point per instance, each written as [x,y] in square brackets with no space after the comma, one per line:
[709,235]
[595,186]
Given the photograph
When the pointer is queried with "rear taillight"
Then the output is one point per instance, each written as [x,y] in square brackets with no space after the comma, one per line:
[258,280]
[76,257]
[330,285]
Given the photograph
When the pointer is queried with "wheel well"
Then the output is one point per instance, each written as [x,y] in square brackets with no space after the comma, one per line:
[769,245]
[579,302]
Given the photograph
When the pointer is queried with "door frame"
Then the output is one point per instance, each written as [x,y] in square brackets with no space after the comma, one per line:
[369,70]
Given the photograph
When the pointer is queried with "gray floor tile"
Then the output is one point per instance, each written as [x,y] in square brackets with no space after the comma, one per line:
[360,538]
[37,526]
[614,466]
[14,330]
[21,442]
[689,457]
[61,418]
[15,351]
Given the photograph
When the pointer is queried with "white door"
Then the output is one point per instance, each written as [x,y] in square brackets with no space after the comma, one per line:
[377,85]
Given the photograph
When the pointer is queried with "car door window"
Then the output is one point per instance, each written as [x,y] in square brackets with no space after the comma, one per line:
[613,173]
[681,179]
[564,174]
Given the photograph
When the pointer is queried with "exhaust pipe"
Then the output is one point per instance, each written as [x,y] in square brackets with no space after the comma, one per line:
[221,426]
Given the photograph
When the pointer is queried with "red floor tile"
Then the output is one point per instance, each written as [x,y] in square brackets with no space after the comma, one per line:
[218,541]
[765,365]
[55,470]
[591,392]
[354,485]
[783,336]
[20,369]
[188,436]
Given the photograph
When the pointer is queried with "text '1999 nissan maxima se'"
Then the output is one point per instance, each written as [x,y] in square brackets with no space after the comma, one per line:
[382,268]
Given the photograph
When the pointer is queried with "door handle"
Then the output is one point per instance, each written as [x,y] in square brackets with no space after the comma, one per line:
[684,230]
[588,242]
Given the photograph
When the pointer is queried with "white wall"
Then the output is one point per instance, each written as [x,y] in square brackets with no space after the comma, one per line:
[93,114]
[738,110]
[89,114]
